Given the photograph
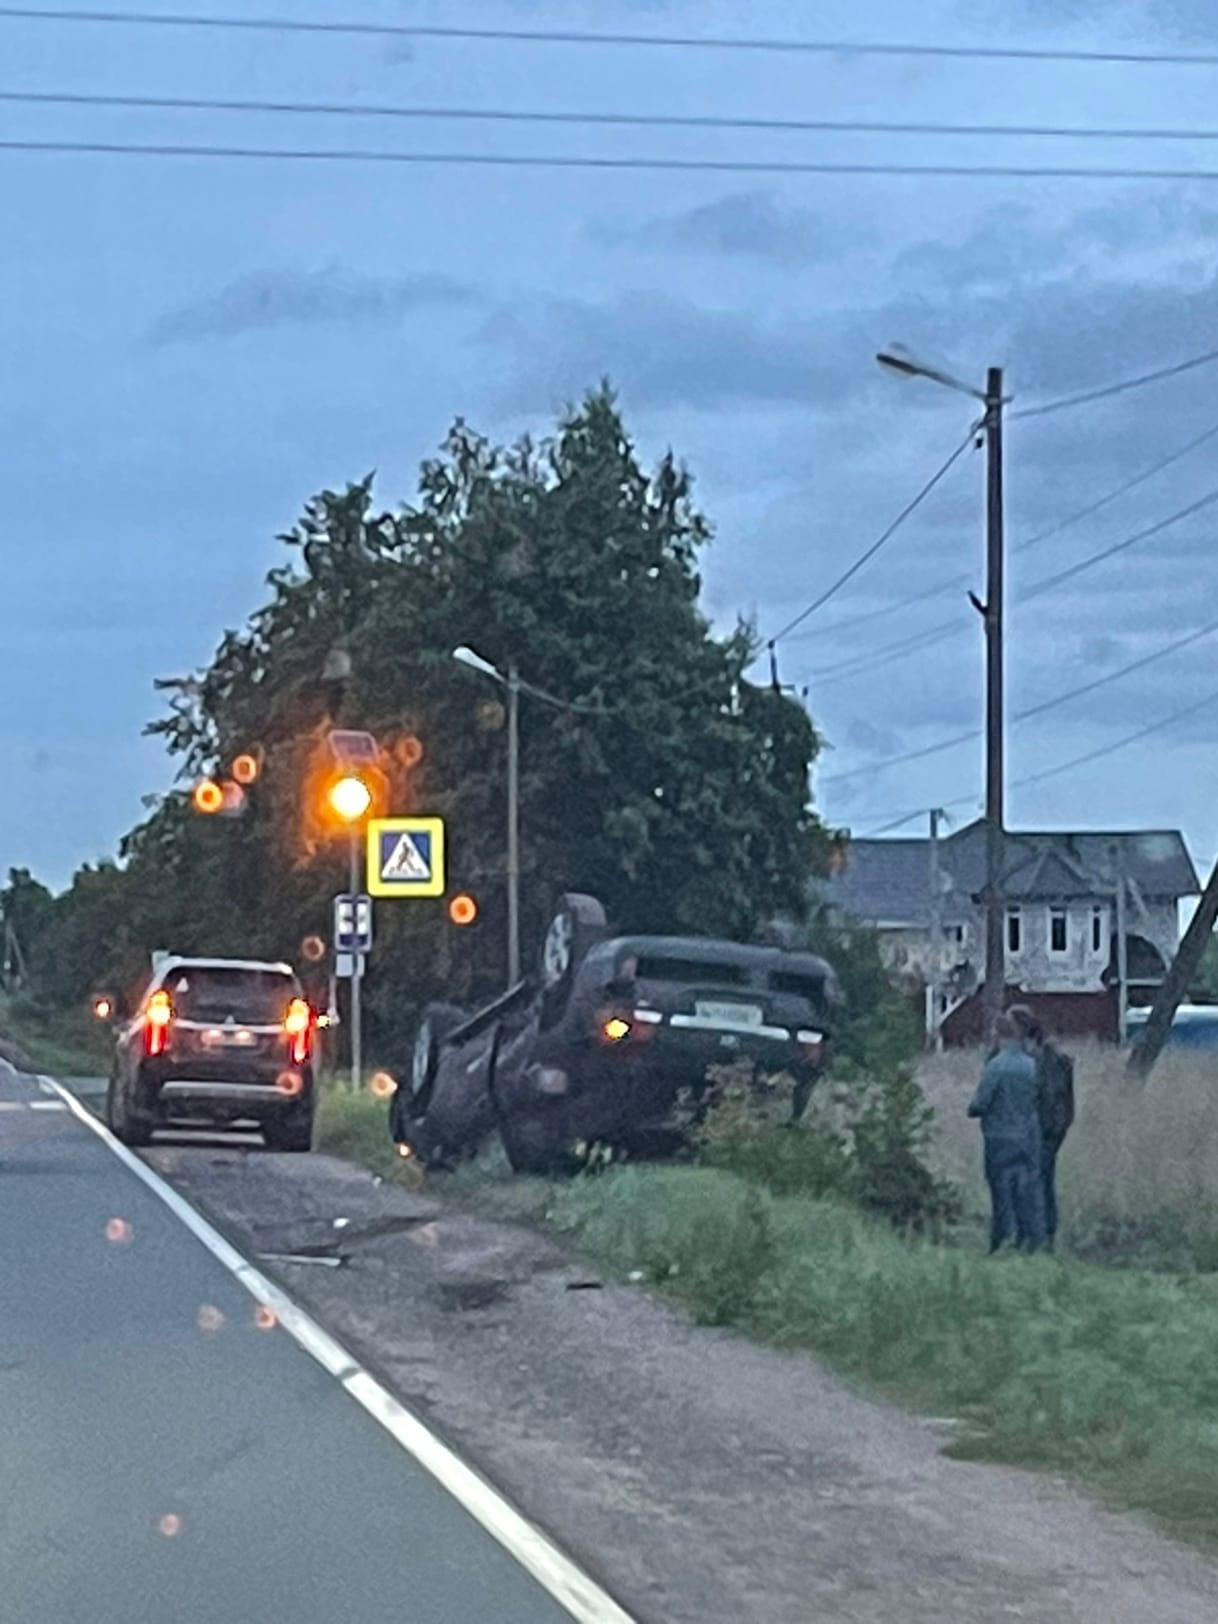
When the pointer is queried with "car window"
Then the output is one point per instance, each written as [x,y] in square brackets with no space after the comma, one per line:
[215,993]
[701,972]
[801,986]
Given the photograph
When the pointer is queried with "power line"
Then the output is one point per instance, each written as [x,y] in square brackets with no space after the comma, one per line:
[673,121]
[1056,529]
[889,652]
[540,36]
[1092,559]
[885,536]
[1032,710]
[1107,390]
[1088,756]
[505,160]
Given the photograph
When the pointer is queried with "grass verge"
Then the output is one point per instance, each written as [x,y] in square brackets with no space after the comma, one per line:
[1102,1374]
[63,1043]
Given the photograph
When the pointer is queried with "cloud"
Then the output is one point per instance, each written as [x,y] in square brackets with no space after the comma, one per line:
[306,298]
[743,225]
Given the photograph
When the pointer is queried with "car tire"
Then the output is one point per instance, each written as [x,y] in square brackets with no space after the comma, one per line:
[290,1134]
[410,1103]
[532,1146]
[128,1124]
[578,924]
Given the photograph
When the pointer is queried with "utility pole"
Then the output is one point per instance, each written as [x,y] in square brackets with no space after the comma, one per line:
[1177,981]
[513,825]
[357,973]
[1122,933]
[995,954]
[934,1031]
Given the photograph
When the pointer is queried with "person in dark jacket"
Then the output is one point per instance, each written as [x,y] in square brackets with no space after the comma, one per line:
[1007,1103]
[1055,1076]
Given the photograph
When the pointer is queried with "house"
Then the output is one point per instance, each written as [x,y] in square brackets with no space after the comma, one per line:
[1065,895]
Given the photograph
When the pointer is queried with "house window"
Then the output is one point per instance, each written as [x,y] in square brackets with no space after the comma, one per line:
[1057,930]
[1097,930]
[1014,930]
[958,933]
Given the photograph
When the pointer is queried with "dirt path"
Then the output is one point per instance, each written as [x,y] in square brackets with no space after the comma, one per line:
[702,1479]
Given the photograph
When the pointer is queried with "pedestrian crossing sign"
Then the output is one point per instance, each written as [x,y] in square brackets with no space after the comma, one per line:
[406,857]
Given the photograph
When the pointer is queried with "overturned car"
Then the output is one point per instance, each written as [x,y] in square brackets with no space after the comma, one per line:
[609,1044]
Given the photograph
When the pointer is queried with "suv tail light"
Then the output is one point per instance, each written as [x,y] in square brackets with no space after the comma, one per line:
[157,1017]
[298,1024]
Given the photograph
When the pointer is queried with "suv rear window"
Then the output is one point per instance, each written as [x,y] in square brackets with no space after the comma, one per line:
[799,986]
[691,972]
[260,997]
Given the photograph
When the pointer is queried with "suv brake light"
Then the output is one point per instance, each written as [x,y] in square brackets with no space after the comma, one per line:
[157,1017]
[298,1024]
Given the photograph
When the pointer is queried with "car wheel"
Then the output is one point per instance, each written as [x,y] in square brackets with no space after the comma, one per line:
[532,1146]
[577,926]
[437,1022]
[128,1124]
[290,1133]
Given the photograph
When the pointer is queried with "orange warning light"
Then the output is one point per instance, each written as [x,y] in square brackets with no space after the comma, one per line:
[245,768]
[463,910]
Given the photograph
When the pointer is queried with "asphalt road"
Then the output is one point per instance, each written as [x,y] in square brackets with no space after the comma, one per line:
[166,1454]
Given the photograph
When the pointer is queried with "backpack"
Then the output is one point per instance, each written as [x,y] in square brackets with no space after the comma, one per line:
[1056,1093]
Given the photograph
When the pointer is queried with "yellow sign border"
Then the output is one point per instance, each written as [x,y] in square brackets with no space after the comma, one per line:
[376,886]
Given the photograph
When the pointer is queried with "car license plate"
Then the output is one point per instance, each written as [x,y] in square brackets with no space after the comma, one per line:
[729,1014]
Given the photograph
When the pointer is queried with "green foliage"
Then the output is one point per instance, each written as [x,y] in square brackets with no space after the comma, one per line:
[863,1140]
[880,1027]
[706,1236]
[682,801]
[1105,1375]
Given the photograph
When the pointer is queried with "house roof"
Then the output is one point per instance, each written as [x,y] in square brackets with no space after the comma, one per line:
[888,881]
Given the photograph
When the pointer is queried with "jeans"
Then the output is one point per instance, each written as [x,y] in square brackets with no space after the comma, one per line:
[1015,1191]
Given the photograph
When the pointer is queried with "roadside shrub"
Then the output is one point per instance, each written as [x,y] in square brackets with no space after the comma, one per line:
[862,1139]
[704,1234]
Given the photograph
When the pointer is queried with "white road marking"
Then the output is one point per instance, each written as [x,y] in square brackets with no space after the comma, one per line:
[553,1570]
[45,1086]
[47,1105]
[12,1105]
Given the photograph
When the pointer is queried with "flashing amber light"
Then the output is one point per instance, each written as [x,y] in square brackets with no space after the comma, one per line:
[208,796]
[383,1085]
[245,768]
[405,1152]
[349,798]
[615,1029]
[103,1008]
[463,910]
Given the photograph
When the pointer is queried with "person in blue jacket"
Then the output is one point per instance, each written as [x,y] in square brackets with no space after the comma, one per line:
[1007,1102]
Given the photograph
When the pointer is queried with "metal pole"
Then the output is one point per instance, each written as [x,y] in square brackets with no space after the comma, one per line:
[995,957]
[934,1032]
[513,827]
[357,970]
[1122,927]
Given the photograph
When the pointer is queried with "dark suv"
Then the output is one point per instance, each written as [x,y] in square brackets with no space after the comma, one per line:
[610,1039]
[216,1041]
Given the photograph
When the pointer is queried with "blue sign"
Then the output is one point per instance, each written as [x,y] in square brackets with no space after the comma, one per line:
[406,857]
[352,924]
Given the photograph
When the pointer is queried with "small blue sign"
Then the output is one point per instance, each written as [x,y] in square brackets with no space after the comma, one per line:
[352,924]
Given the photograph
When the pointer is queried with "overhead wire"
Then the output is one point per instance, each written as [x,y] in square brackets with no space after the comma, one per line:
[1106,391]
[586,37]
[1030,711]
[677,121]
[574,161]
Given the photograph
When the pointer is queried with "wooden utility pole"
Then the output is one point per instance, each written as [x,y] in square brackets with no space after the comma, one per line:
[934,1032]
[1122,935]
[994,992]
[1177,981]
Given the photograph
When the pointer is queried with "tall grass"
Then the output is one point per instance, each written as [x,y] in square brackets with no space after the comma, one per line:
[1138,1174]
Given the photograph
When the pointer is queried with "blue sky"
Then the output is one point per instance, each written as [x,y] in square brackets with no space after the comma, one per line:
[192,348]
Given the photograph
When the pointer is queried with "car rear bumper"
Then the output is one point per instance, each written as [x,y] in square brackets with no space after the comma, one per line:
[188,1093]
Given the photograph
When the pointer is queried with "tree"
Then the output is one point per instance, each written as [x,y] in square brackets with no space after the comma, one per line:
[682,802]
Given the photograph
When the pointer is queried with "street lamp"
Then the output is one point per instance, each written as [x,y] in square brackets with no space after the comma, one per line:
[350,799]
[897,359]
[467,656]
